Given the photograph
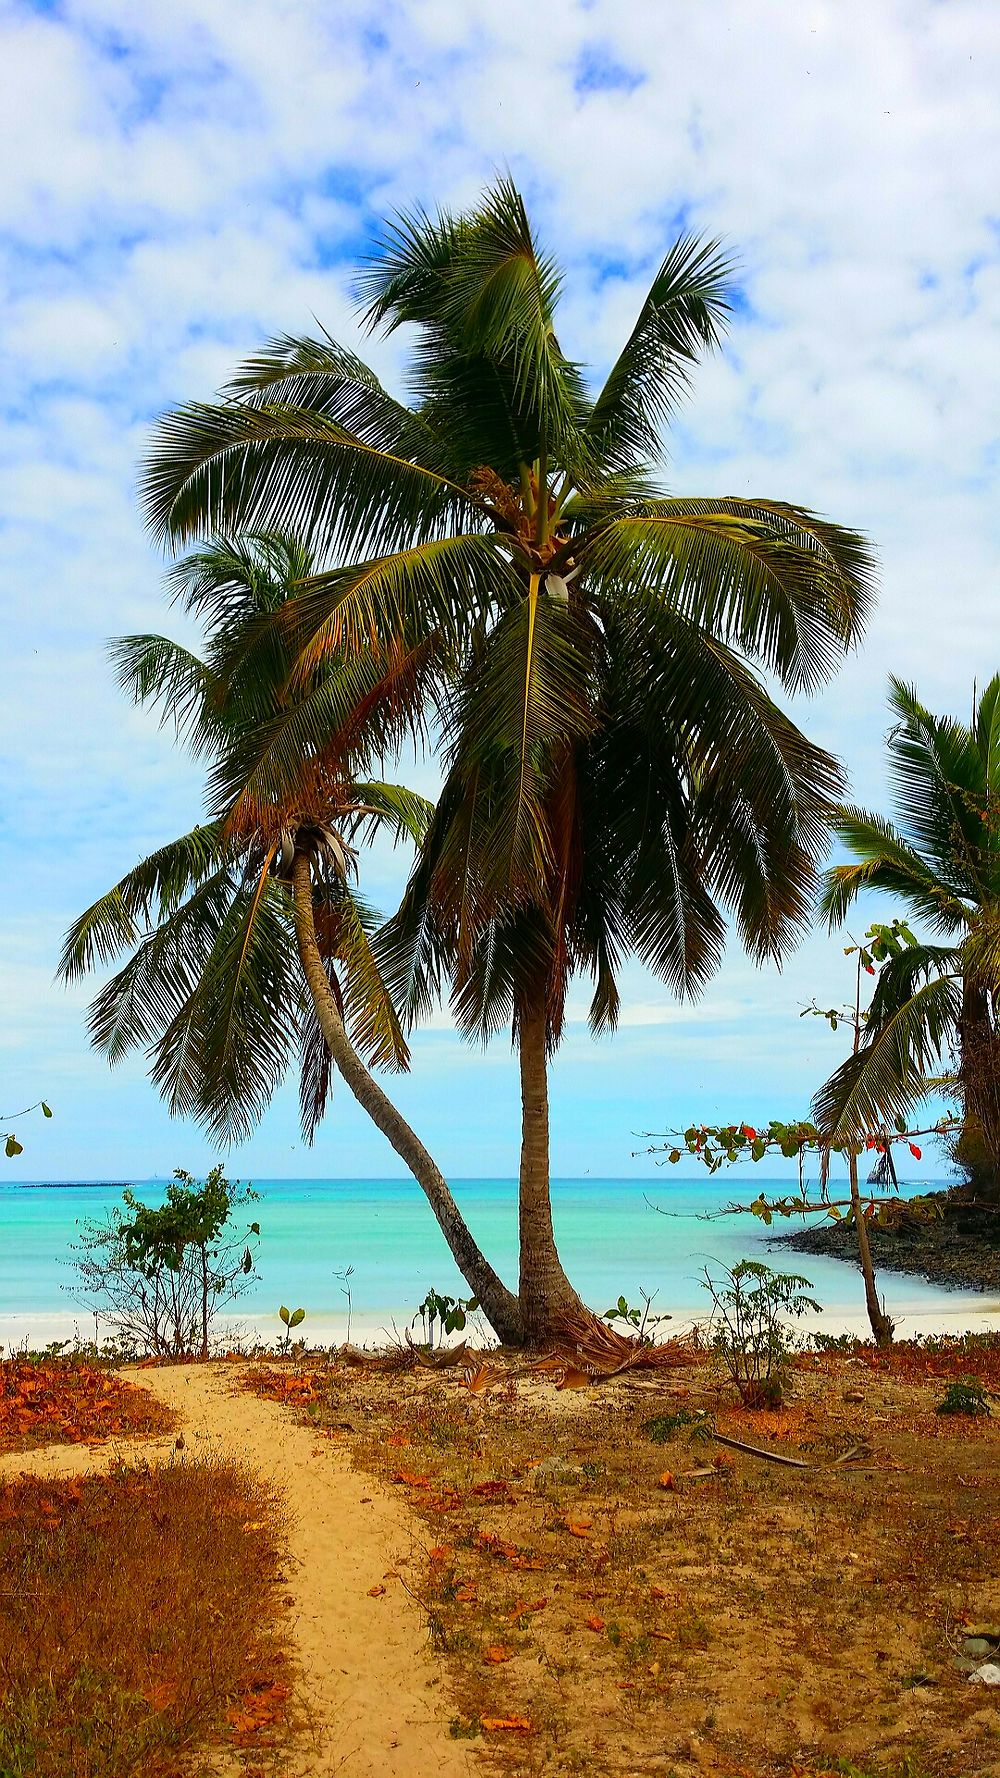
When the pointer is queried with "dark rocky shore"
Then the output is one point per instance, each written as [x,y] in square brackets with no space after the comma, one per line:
[960,1249]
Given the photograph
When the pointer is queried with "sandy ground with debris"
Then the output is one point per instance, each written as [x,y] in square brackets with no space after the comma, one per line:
[375,1697]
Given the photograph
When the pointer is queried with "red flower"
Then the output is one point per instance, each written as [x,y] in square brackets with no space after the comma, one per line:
[915,1152]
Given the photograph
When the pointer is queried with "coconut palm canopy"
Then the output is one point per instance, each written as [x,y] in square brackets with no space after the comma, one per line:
[618,779]
[617,771]
[941,858]
[214,990]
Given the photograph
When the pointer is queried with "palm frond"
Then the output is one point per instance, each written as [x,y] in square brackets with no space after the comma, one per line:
[150,893]
[683,316]
[888,1075]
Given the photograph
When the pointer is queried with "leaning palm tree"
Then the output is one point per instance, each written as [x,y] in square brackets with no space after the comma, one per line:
[618,778]
[251,947]
[941,858]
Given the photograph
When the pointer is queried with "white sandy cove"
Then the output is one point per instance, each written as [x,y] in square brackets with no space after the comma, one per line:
[35,1330]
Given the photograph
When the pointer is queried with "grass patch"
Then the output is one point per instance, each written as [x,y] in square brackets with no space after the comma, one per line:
[64,1401]
[138,1618]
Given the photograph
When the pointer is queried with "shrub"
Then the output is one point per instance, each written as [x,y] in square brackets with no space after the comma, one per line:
[748,1326]
[966,1397]
[160,1273]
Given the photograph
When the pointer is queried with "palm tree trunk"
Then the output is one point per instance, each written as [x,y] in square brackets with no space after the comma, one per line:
[882,1327]
[544,1289]
[978,1148]
[498,1304]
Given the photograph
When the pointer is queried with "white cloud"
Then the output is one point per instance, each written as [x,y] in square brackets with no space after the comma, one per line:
[182,180]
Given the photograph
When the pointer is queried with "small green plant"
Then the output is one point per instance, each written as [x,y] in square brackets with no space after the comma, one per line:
[966,1397]
[292,1318]
[750,1307]
[439,1315]
[641,1319]
[661,1428]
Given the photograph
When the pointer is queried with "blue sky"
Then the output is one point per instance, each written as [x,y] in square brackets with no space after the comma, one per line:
[183,180]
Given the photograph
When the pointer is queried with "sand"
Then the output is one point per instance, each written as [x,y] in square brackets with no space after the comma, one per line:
[376,1702]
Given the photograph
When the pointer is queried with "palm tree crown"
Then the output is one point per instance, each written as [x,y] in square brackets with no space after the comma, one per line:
[941,858]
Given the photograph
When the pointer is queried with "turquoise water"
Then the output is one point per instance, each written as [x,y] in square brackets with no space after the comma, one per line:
[611,1239]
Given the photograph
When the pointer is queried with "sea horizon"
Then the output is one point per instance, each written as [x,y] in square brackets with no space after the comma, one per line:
[376,1239]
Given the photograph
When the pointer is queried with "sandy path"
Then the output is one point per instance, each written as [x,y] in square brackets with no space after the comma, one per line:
[377,1702]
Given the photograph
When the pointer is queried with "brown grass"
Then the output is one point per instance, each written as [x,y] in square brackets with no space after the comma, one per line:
[67,1401]
[138,1617]
[626,1616]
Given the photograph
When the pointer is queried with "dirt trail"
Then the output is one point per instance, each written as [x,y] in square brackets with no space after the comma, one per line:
[377,1702]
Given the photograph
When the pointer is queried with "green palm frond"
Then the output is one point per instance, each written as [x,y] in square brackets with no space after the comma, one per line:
[886,861]
[148,894]
[683,316]
[237,467]
[788,589]
[889,1074]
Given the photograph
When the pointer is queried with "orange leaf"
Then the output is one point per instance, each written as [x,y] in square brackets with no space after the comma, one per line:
[495,1656]
[519,1724]
[595,1623]
[667,1479]
[522,1610]
[579,1527]
[440,1552]
[572,1378]
[410,1481]
[376,1592]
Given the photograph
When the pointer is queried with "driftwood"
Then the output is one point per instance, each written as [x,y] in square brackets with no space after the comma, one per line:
[736,1444]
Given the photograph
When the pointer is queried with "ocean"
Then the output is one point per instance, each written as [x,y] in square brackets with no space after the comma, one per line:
[612,1239]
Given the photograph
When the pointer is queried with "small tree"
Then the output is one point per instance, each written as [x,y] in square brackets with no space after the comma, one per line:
[719,1144]
[749,1308]
[161,1272]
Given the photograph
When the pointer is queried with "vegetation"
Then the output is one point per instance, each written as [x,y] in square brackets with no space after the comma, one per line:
[941,858]
[617,776]
[113,1667]
[161,1273]
[966,1397]
[251,947]
[597,1612]
[750,1308]
[11,1146]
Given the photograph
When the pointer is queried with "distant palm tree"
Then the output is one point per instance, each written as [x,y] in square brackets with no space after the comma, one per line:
[617,774]
[941,858]
[250,944]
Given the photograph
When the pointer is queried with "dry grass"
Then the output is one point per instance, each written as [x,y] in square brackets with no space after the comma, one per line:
[67,1401]
[626,1616]
[138,1618]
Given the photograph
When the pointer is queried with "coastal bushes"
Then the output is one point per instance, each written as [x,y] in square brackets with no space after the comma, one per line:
[159,1274]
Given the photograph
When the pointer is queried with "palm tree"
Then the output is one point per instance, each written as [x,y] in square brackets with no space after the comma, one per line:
[618,776]
[250,944]
[941,858]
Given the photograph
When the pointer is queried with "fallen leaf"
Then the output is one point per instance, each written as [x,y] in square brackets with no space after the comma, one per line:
[519,1724]
[572,1378]
[579,1527]
[666,1481]
[523,1610]
[595,1623]
[410,1481]
[493,1490]
[376,1592]
[496,1655]
[440,1552]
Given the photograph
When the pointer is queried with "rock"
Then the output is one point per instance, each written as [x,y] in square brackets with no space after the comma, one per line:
[554,1469]
[987,1675]
[978,1647]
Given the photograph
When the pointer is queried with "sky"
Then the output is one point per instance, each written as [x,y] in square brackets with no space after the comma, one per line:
[184,180]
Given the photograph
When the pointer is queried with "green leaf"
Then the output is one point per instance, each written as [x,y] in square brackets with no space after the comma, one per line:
[285,1315]
[296,1319]
[12,1147]
[45,1110]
